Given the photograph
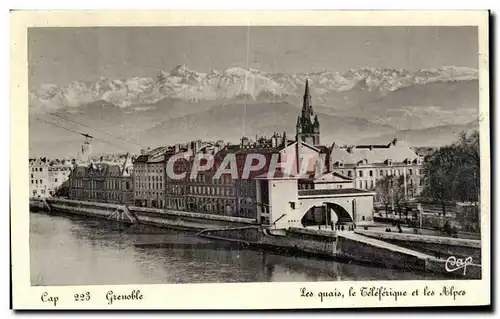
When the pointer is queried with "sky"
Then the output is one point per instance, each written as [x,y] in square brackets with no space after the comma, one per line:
[63,55]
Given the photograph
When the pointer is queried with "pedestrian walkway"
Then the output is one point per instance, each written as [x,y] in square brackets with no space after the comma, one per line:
[385,245]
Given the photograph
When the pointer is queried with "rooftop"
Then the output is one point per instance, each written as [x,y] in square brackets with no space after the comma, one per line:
[341,191]
[396,151]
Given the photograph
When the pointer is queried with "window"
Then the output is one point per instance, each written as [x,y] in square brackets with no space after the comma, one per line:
[55,180]
[31,175]
[41,182]
[349,173]
[360,173]
[31,181]
[381,173]
[292,205]
[410,171]
[371,173]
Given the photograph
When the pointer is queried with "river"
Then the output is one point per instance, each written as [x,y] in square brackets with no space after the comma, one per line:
[74,250]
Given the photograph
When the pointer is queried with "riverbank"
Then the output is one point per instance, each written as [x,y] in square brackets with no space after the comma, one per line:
[102,252]
[340,245]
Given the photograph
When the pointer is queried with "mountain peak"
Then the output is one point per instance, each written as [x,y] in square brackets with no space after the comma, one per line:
[180,70]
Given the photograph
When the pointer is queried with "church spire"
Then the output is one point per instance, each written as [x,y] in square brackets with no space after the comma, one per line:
[307,97]
[308,123]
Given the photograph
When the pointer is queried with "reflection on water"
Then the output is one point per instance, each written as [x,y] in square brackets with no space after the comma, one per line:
[69,250]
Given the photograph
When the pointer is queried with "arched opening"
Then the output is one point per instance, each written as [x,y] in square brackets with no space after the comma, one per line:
[322,216]
[316,216]
[343,216]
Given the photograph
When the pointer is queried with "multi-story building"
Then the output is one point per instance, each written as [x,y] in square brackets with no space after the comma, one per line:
[103,182]
[47,175]
[149,178]
[59,171]
[367,164]
[199,192]
[39,177]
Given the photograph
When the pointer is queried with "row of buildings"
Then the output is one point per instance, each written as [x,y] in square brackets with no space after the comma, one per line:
[344,175]
[143,180]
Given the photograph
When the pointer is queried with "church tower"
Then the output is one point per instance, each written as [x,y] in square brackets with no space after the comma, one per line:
[307,122]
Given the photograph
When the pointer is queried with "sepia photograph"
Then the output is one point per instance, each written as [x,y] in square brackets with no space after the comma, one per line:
[209,154]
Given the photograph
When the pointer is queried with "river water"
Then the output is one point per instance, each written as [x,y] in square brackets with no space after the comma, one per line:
[73,250]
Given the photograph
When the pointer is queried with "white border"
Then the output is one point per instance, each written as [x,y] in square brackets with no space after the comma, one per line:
[222,296]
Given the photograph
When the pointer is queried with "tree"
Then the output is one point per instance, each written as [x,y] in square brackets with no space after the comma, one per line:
[62,190]
[452,173]
[467,184]
[391,190]
[383,190]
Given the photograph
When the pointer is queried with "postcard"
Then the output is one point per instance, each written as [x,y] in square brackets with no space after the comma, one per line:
[249,159]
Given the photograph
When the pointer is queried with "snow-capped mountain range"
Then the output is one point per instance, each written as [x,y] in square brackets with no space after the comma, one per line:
[192,86]
[428,107]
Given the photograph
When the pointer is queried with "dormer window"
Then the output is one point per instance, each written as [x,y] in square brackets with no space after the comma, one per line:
[389,162]
[341,164]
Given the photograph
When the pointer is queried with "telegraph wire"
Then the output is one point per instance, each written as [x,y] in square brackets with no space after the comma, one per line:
[98,130]
[73,131]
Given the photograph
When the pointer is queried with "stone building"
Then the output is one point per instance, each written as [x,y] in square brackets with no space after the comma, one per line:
[149,178]
[106,182]
[366,164]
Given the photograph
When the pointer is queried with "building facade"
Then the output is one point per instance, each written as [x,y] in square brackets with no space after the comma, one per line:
[103,182]
[47,175]
[367,164]
[286,205]
[39,177]
[149,178]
